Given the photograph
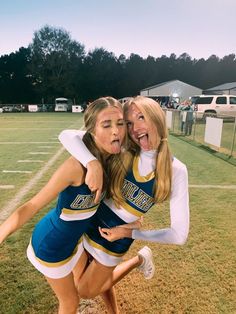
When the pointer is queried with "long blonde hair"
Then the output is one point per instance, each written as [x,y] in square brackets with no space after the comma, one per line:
[163,173]
[112,165]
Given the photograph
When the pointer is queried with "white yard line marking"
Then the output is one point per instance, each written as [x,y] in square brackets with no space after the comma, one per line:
[16,171]
[37,121]
[15,201]
[39,153]
[7,187]
[27,160]
[30,128]
[209,186]
[13,143]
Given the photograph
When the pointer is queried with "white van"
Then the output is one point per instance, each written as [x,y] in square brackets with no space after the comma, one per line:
[215,106]
[61,104]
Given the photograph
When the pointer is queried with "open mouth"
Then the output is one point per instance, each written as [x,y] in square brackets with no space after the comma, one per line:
[143,141]
[116,146]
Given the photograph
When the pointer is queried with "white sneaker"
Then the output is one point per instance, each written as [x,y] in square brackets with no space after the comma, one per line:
[147,267]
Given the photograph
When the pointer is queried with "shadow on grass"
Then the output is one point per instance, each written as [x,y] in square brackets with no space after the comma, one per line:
[227,158]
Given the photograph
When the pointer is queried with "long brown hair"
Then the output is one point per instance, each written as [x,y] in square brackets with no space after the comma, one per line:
[163,174]
[111,163]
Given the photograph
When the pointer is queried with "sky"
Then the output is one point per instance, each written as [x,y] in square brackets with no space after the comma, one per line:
[199,28]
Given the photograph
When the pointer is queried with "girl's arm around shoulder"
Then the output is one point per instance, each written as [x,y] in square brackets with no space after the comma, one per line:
[73,143]
[69,173]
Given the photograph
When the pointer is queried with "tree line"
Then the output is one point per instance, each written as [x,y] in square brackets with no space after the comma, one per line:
[54,65]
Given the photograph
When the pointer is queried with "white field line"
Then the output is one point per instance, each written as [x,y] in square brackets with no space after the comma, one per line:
[37,121]
[30,128]
[16,171]
[13,143]
[209,186]
[39,153]
[28,160]
[7,187]
[13,203]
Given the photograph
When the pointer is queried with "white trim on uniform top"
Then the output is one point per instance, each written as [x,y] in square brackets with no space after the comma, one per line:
[77,215]
[120,212]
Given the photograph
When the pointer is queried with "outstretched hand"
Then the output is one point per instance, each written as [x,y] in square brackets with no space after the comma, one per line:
[94,178]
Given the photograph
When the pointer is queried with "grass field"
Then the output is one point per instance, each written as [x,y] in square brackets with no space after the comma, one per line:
[228,143]
[199,277]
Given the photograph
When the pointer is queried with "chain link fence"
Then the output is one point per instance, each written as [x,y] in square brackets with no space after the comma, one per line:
[192,125]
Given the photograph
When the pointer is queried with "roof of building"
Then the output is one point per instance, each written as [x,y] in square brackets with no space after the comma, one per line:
[164,83]
[225,86]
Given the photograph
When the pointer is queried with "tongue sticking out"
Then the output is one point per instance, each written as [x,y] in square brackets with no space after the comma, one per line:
[115,147]
[143,141]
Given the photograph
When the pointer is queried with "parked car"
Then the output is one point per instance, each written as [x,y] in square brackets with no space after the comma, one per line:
[7,108]
[215,106]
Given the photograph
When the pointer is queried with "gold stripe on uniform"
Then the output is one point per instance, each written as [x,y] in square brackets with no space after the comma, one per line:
[101,248]
[56,264]
[131,210]
[137,176]
[78,211]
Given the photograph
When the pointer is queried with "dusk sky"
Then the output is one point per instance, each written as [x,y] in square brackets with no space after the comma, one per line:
[145,27]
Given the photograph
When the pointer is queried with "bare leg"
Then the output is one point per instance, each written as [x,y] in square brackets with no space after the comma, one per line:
[80,267]
[99,278]
[66,293]
[109,297]
[94,277]
[121,271]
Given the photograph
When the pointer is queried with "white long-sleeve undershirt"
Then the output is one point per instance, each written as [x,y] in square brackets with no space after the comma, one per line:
[179,209]
[177,233]
[72,141]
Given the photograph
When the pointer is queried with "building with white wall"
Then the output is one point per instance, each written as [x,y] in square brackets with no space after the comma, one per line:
[227,88]
[175,89]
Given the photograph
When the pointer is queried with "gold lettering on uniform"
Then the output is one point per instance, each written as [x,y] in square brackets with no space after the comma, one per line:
[148,204]
[82,201]
[129,189]
[142,200]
